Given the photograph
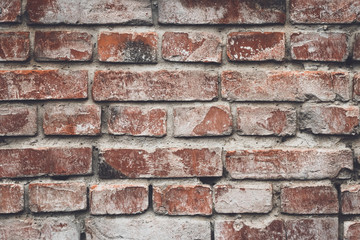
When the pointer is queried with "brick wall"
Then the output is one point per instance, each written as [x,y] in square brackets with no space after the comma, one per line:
[179,119]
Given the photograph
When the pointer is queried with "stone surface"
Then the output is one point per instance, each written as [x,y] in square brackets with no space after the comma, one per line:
[288,163]
[14,46]
[18,120]
[312,228]
[160,163]
[256,46]
[11,198]
[351,230]
[350,199]
[10,11]
[202,121]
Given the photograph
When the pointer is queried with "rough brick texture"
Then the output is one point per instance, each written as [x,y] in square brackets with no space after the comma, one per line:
[10,11]
[315,228]
[11,198]
[14,46]
[351,230]
[350,199]
[356,53]
[18,121]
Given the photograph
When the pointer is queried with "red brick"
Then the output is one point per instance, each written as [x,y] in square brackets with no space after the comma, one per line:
[256,46]
[137,121]
[29,162]
[155,86]
[356,90]
[223,12]
[118,199]
[312,228]
[128,47]
[288,163]
[63,46]
[43,84]
[266,120]
[72,119]
[191,47]
[57,197]
[18,121]
[351,230]
[243,198]
[330,119]
[134,12]
[319,46]
[324,11]
[320,199]
[11,198]
[14,46]
[300,86]
[182,200]
[356,51]
[202,121]
[241,230]
[160,163]
[350,199]
[10,11]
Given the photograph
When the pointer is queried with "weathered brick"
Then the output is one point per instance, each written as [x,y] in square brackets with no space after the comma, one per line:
[241,230]
[303,199]
[10,11]
[256,46]
[18,121]
[118,199]
[351,230]
[324,11]
[182,200]
[312,228]
[155,86]
[356,90]
[128,47]
[243,198]
[288,163]
[160,163]
[330,119]
[28,162]
[356,50]
[224,12]
[57,197]
[11,198]
[63,46]
[147,228]
[137,121]
[203,120]
[191,47]
[319,46]
[350,199]
[72,119]
[14,46]
[134,12]
[266,120]
[43,84]
[300,86]
[64,228]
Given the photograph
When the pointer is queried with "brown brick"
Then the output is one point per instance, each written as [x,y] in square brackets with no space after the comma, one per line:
[128,47]
[11,198]
[182,200]
[350,199]
[202,121]
[351,230]
[10,11]
[134,12]
[18,121]
[118,199]
[160,163]
[256,46]
[14,46]
[241,230]
[72,119]
[224,12]
[300,86]
[155,86]
[288,163]
[63,46]
[43,84]
[137,121]
[319,46]
[191,47]
[330,119]
[57,197]
[29,162]
[309,200]
[324,11]
[312,228]
[266,120]
[356,53]
[243,198]
[356,90]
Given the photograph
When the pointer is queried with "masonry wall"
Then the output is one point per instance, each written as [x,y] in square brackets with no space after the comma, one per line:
[179,119]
